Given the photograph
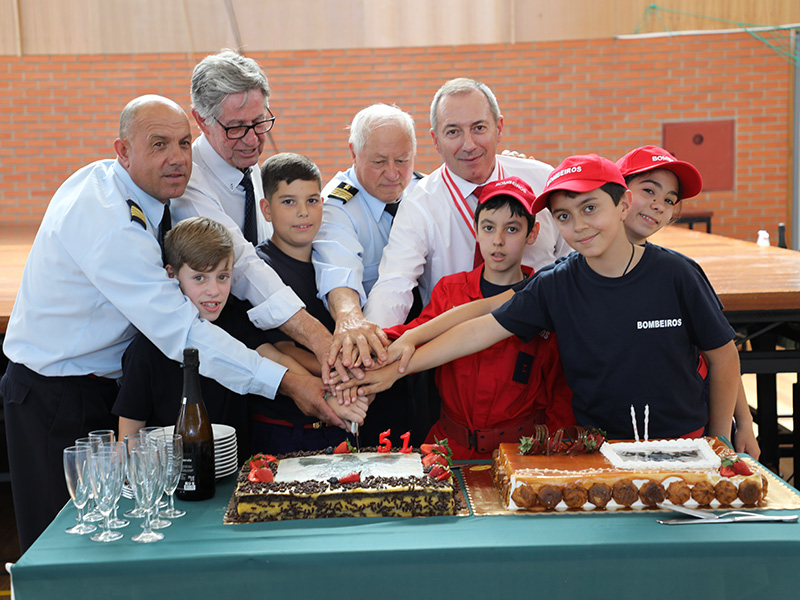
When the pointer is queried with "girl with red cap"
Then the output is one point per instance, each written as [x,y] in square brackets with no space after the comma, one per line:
[658,182]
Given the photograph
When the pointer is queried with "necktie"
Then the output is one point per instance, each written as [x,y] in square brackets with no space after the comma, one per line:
[250,231]
[163,228]
[478,260]
[392,208]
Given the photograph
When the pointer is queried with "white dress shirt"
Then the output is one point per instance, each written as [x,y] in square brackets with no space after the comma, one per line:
[94,276]
[351,239]
[214,191]
[430,239]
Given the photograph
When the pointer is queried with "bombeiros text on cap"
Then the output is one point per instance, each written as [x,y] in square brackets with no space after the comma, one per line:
[562,172]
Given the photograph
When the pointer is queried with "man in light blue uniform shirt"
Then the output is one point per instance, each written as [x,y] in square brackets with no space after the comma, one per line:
[357,217]
[94,277]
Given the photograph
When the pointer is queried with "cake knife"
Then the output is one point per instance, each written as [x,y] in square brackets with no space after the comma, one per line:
[734,519]
[354,431]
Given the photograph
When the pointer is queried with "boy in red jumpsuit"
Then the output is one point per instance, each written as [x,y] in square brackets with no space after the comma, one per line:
[498,394]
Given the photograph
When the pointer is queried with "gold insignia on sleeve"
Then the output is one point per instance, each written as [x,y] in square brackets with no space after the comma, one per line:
[137,214]
[344,192]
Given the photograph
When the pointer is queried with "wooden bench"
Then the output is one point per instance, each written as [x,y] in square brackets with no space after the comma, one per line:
[691,216]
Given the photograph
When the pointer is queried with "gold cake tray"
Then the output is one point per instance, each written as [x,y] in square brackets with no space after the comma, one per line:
[485,499]
[231,516]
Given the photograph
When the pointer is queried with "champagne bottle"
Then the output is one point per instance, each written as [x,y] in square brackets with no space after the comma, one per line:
[781,235]
[198,477]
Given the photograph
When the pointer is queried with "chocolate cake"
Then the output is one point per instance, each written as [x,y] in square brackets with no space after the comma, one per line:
[322,485]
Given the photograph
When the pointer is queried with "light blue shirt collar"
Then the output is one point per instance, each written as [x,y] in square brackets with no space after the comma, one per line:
[152,208]
[375,206]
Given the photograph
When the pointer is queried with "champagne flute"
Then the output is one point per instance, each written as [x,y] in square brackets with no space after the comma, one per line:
[174,466]
[144,466]
[133,440]
[92,514]
[148,432]
[119,447]
[160,442]
[106,436]
[76,472]
[106,470]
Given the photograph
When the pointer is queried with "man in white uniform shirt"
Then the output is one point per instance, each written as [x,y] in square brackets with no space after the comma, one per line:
[434,232]
[94,277]
[230,95]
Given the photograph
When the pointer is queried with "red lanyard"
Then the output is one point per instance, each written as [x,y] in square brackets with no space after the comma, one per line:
[460,202]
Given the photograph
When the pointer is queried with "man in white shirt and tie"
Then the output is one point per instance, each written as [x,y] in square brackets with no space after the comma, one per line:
[434,234]
[230,103]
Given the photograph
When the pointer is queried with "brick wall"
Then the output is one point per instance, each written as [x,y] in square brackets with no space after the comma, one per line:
[58,113]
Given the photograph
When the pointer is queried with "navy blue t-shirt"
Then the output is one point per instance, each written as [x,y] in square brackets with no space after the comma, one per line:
[299,276]
[627,340]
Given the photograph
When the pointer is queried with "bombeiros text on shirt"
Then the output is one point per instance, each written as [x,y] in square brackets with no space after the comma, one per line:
[659,324]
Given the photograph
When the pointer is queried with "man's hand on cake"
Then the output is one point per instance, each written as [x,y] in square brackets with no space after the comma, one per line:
[308,393]
[356,340]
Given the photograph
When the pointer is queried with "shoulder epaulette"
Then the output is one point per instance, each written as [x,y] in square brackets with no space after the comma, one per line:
[137,215]
[344,192]
[419,175]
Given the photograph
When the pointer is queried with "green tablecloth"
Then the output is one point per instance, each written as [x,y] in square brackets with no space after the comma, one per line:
[604,556]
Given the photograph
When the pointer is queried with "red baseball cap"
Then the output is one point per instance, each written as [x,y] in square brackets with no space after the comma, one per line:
[510,186]
[648,158]
[580,173]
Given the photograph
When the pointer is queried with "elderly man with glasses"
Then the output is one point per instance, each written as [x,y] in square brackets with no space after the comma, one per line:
[230,103]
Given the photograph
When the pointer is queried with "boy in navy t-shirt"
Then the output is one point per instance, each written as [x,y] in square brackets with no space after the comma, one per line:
[630,320]
[293,205]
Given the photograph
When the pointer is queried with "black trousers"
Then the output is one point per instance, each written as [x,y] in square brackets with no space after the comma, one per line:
[43,416]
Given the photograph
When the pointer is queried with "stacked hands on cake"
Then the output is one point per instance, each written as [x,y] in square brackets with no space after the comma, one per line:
[339,482]
[621,475]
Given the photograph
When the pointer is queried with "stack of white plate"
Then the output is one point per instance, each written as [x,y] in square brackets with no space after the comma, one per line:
[225,448]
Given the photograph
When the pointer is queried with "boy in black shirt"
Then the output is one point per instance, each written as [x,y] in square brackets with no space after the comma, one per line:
[293,204]
[199,254]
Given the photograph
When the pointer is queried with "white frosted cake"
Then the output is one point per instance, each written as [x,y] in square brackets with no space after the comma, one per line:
[661,455]
[364,484]
[322,467]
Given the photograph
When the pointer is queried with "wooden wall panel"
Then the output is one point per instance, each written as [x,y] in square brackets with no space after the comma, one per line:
[9,38]
[150,26]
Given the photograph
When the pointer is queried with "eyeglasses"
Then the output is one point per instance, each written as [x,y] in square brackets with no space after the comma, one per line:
[237,132]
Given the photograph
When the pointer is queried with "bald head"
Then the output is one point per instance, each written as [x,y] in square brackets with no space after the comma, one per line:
[155,146]
[128,115]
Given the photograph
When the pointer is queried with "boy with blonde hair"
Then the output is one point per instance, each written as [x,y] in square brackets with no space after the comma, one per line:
[199,254]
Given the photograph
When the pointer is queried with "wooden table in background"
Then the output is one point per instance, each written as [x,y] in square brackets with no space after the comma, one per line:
[15,244]
[760,289]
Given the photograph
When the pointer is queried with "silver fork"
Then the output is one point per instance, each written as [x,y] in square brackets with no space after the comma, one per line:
[739,515]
